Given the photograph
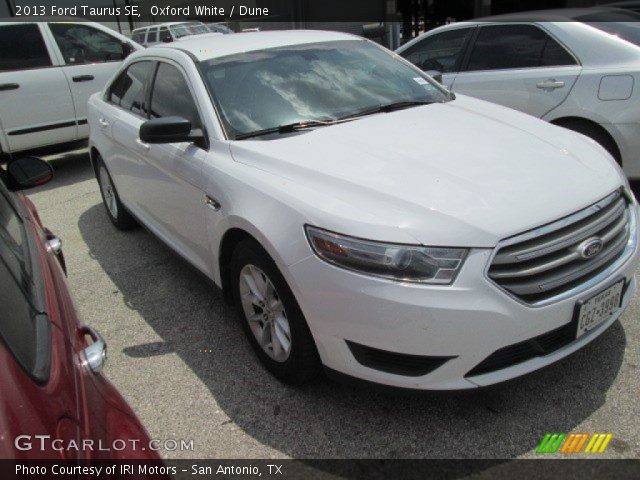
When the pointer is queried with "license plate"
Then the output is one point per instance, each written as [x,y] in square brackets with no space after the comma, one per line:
[599,308]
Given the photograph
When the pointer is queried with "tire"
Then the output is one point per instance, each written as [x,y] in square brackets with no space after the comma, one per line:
[301,363]
[595,133]
[116,211]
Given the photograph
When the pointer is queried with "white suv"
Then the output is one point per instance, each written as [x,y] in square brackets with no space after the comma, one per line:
[48,70]
[360,216]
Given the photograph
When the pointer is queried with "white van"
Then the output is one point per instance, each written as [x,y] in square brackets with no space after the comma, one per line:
[48,70]
[167,32]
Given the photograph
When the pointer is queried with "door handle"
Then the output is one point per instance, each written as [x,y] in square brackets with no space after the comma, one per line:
[142,145]
[103,123]
[9,86]
[550,84]
[83,78]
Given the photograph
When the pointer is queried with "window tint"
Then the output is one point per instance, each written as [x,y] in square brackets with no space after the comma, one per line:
[516,46]
[165,35]
[138,37]
[268,88]
[439,52]
[128,90]
[12,240]
[81,43]
[22,47]
[17,319]
[171,96]
[152,36]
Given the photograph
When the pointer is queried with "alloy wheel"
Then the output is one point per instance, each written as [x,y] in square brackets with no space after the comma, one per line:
[264,311]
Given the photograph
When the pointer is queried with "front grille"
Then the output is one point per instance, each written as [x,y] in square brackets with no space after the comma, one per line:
[396,363]
[540,264]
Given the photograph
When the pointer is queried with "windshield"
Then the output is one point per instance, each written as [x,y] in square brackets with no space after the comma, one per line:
[326,81]
[186,29]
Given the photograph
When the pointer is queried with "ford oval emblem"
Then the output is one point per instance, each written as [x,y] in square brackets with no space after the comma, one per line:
[590,247]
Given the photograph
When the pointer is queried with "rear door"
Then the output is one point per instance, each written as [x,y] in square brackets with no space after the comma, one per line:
[91,56]
[124,111]
[441,52]
[520,66]
[35,99]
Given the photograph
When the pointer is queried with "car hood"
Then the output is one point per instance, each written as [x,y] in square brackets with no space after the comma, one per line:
[465,173]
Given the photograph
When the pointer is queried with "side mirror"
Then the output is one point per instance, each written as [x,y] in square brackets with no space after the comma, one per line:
[127,49]
[27,172]
[436,75]
[169,130]
[167,39]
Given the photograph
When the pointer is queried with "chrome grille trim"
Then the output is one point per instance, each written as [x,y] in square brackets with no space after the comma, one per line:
[543,265]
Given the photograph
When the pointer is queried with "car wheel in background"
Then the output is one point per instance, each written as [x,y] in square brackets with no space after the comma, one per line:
[117,213]
[271,316]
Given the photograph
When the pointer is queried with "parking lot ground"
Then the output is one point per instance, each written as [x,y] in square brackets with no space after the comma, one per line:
[179,357]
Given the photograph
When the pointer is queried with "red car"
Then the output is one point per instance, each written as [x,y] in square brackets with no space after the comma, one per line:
[54,402]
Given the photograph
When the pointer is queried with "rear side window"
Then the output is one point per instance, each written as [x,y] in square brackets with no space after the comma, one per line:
[129,89]
[19,322]
[165,35]
[138,37]
[22,47]
[171,96]
[501,47]
[81,43]
[440,52]
[152,36]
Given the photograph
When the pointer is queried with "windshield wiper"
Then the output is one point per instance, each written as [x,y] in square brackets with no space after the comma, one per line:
[287,128]
[389,107]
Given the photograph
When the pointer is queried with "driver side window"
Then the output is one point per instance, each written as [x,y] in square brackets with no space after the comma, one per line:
[84,44]
[440,52]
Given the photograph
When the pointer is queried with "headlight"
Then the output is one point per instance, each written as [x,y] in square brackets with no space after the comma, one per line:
[407,263]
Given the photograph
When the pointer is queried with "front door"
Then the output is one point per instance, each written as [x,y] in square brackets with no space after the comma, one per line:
[35,99]
[174,199]
[91,57]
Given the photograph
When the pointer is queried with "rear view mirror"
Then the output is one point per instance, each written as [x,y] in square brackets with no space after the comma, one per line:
[27,172]
[168,130]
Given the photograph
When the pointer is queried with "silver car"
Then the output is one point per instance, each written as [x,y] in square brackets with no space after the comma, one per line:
[583,74]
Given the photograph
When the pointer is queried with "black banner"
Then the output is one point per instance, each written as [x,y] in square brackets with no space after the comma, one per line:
[320,469]
[288,11]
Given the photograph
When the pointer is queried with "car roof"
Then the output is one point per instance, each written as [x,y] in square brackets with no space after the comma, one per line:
[166,24]
[209,47]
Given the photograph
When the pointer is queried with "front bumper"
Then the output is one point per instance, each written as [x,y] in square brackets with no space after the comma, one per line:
[468,320]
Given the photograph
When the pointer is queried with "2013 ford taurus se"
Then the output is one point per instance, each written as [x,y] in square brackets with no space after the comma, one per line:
[361,217]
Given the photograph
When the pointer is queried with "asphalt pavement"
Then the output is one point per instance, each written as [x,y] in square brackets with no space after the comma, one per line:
[178,355]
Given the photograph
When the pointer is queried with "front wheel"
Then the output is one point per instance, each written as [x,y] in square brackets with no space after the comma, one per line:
[271,316]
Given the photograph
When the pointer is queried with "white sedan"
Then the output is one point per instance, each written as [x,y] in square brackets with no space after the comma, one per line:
[362,217]
[577,68]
